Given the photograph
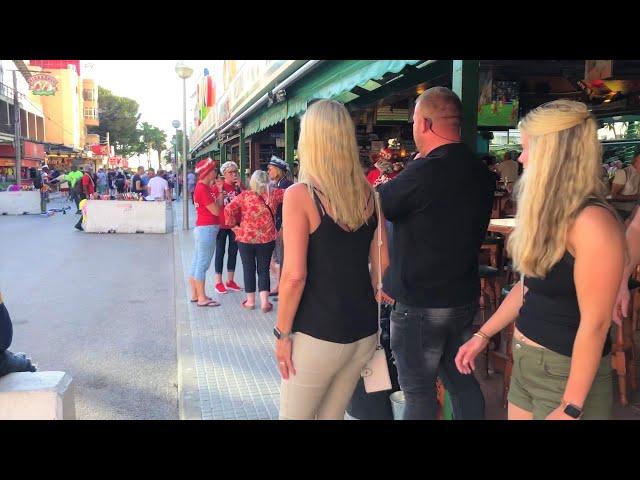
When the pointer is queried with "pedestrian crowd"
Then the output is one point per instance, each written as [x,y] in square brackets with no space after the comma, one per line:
[568,246]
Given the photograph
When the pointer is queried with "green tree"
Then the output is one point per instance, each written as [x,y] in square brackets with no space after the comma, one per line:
[159,142]
[119,117]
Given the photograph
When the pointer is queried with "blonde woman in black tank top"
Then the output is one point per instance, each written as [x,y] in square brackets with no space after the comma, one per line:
[570,247]
[327,314]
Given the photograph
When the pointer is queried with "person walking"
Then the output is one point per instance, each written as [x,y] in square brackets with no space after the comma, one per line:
[136,182]
[208,203]
[158,187]
[437,234]
[325,335]
[279,174]
[569,246]
[85,188]
[252,215]
[191,182]
[103,182]
[73,177]
[231,188]
[120,181]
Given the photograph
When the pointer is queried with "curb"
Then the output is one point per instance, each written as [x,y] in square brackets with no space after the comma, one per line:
[188,394]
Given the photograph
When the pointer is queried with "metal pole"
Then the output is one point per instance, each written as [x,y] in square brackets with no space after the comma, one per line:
[185,196]
[17,133]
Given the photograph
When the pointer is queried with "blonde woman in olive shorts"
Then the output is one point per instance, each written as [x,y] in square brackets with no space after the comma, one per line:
[569,245]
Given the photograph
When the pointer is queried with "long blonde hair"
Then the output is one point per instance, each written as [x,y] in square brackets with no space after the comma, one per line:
[329,159]
[563,171]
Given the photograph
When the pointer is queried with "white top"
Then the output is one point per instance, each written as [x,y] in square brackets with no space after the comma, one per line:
[157,186]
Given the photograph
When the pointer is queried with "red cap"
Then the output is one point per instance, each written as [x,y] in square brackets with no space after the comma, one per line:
[205,166]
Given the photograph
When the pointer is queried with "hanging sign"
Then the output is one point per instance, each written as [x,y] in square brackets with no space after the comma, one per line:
[43,84]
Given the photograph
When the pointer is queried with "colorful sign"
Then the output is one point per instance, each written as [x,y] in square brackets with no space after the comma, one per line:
[100,149]
[43,84]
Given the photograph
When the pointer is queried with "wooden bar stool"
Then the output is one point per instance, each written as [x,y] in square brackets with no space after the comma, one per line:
[624,356]
[504,361]
[489,285]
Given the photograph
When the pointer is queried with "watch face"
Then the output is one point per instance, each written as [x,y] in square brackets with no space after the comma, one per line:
[572,411]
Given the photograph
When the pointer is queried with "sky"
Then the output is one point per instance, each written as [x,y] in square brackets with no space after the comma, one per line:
[154,84]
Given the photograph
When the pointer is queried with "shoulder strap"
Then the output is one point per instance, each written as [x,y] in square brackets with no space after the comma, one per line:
[380,226]
[318,203]
[268,207]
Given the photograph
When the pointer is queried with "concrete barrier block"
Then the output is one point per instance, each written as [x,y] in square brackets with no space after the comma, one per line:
[37,396]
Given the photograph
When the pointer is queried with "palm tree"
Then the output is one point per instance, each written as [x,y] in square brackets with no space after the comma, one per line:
[158,143]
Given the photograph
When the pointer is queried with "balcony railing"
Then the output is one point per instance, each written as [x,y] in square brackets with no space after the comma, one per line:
[7,91]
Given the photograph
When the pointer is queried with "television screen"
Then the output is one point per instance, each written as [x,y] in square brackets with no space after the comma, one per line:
[501,109]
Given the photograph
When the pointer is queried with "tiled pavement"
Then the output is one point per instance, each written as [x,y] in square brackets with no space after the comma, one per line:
[227,365]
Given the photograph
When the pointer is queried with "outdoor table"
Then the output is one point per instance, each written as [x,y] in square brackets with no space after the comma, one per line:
[502,225]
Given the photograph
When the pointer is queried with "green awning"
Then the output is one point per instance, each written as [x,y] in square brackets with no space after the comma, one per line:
[266,118]
[341,77]
[209,148]
[334,81]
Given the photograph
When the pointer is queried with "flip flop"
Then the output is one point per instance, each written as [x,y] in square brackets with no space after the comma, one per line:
[248,307]
[267,308]
[210,303]
[194,301]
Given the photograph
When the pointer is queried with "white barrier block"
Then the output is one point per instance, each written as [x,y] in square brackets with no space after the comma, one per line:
[118,216]
[37,396]
[17,203]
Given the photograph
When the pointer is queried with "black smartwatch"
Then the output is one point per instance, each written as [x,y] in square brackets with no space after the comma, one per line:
[572,410]
[279,335]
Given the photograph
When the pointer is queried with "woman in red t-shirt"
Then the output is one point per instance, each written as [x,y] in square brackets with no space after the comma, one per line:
[254,211]
[208,203]
[231,189]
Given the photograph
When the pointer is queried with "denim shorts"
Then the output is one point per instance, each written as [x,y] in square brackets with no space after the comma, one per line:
[539,379]
[205,238]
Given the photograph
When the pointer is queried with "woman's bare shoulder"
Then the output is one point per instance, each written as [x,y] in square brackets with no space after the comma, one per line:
[296,192]
[596,225]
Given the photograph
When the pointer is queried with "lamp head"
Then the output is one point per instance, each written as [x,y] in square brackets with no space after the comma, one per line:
[176,124]
[183,70]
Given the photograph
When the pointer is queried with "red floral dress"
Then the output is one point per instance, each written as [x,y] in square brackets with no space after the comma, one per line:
[250,218]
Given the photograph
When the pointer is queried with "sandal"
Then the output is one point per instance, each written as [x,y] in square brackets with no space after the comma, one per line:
[194,300]
[248,307]
[267,308]
[210,303]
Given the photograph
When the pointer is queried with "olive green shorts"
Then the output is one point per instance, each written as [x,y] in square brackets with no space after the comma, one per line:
[539,379]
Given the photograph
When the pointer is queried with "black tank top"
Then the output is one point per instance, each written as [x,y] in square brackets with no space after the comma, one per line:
[550,314]
[338,304]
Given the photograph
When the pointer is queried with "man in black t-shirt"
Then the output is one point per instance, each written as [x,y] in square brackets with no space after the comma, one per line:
[440,206]
[136,182]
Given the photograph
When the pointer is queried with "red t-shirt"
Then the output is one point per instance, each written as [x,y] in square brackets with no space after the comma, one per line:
[203,196]
[231,192]
[87,182]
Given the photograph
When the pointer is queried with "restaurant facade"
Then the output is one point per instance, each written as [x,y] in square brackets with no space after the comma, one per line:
[258,114]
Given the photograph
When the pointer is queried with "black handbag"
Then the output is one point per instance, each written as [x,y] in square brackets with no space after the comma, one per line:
[377,405]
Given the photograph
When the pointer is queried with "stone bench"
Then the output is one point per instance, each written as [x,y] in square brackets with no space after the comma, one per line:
[37,396]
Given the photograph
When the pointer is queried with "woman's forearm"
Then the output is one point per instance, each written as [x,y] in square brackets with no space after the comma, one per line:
[585,360]
[289,299]
[506,313]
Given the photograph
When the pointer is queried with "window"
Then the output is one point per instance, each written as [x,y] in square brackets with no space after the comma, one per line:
[91,113]
[40,125]
[31,122]
[88,95]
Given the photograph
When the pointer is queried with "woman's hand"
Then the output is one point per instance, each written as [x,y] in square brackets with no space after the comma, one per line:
[467,353]
[283,356]
[621,307]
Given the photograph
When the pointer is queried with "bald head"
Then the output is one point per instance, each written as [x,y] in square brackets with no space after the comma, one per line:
[440,104]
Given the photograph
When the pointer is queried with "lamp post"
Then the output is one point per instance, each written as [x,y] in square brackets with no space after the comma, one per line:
[184,72]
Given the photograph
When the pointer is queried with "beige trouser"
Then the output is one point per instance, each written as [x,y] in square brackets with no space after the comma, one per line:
[326,376]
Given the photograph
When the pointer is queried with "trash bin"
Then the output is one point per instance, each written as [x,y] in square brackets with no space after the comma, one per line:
[397,404]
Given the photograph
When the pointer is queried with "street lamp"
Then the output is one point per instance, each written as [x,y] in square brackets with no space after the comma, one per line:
[184,72]
[176,124]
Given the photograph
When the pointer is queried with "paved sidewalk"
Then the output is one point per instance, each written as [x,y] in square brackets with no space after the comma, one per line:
[227,370]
